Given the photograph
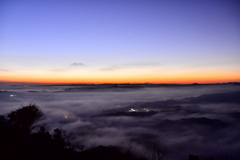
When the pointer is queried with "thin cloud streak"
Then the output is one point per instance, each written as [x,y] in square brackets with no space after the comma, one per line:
[58,70]
[77,64]
[4,70]
[109,69]
[143,64]
[130,65]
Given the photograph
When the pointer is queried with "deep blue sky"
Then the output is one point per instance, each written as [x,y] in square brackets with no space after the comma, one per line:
[119,38]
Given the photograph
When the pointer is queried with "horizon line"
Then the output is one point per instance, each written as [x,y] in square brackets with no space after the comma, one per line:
[127,83]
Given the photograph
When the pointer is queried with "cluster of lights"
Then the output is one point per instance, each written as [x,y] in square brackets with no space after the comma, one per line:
[135,110]
[146,110]
[132,110]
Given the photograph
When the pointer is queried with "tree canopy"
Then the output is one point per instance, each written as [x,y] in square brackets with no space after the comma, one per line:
[26,117]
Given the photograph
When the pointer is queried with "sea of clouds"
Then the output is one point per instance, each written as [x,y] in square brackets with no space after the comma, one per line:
[100,116]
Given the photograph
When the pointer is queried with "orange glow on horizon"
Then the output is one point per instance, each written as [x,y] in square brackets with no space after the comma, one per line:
[123,77]
[133,80]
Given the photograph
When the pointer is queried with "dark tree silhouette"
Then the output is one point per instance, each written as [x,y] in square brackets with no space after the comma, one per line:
[155,150]
[105,153]
[26,118]
[193,157]
[63,138]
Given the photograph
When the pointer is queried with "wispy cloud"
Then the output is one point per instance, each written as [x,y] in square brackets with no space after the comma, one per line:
[77,64]
[142,64]
[3,70]
[58,70]
[108,69]
[129,65]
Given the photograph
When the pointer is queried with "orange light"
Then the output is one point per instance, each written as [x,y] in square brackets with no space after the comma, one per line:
[124,77]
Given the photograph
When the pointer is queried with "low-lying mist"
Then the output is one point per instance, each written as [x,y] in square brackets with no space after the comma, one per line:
[188,119]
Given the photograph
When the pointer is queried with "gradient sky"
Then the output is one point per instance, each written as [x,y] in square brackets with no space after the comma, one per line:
[119,41]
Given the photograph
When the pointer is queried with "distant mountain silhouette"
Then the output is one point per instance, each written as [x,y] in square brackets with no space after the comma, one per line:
[132,114]
[230,97]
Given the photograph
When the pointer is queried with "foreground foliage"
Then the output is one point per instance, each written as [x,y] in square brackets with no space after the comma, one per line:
[23,137]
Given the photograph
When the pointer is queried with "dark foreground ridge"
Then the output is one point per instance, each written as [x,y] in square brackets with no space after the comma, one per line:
[23,137]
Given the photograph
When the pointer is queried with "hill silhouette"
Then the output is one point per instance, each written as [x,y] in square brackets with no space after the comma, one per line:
[24,137]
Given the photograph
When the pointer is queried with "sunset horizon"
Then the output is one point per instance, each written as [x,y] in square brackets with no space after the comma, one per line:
[120,41]
[120,79]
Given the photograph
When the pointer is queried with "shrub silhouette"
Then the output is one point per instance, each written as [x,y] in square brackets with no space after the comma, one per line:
[63,138]
[26,118]
[105,153]
[155,150]
[193,157]
[19,142]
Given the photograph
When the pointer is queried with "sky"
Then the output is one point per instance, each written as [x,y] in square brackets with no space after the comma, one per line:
[119,41]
